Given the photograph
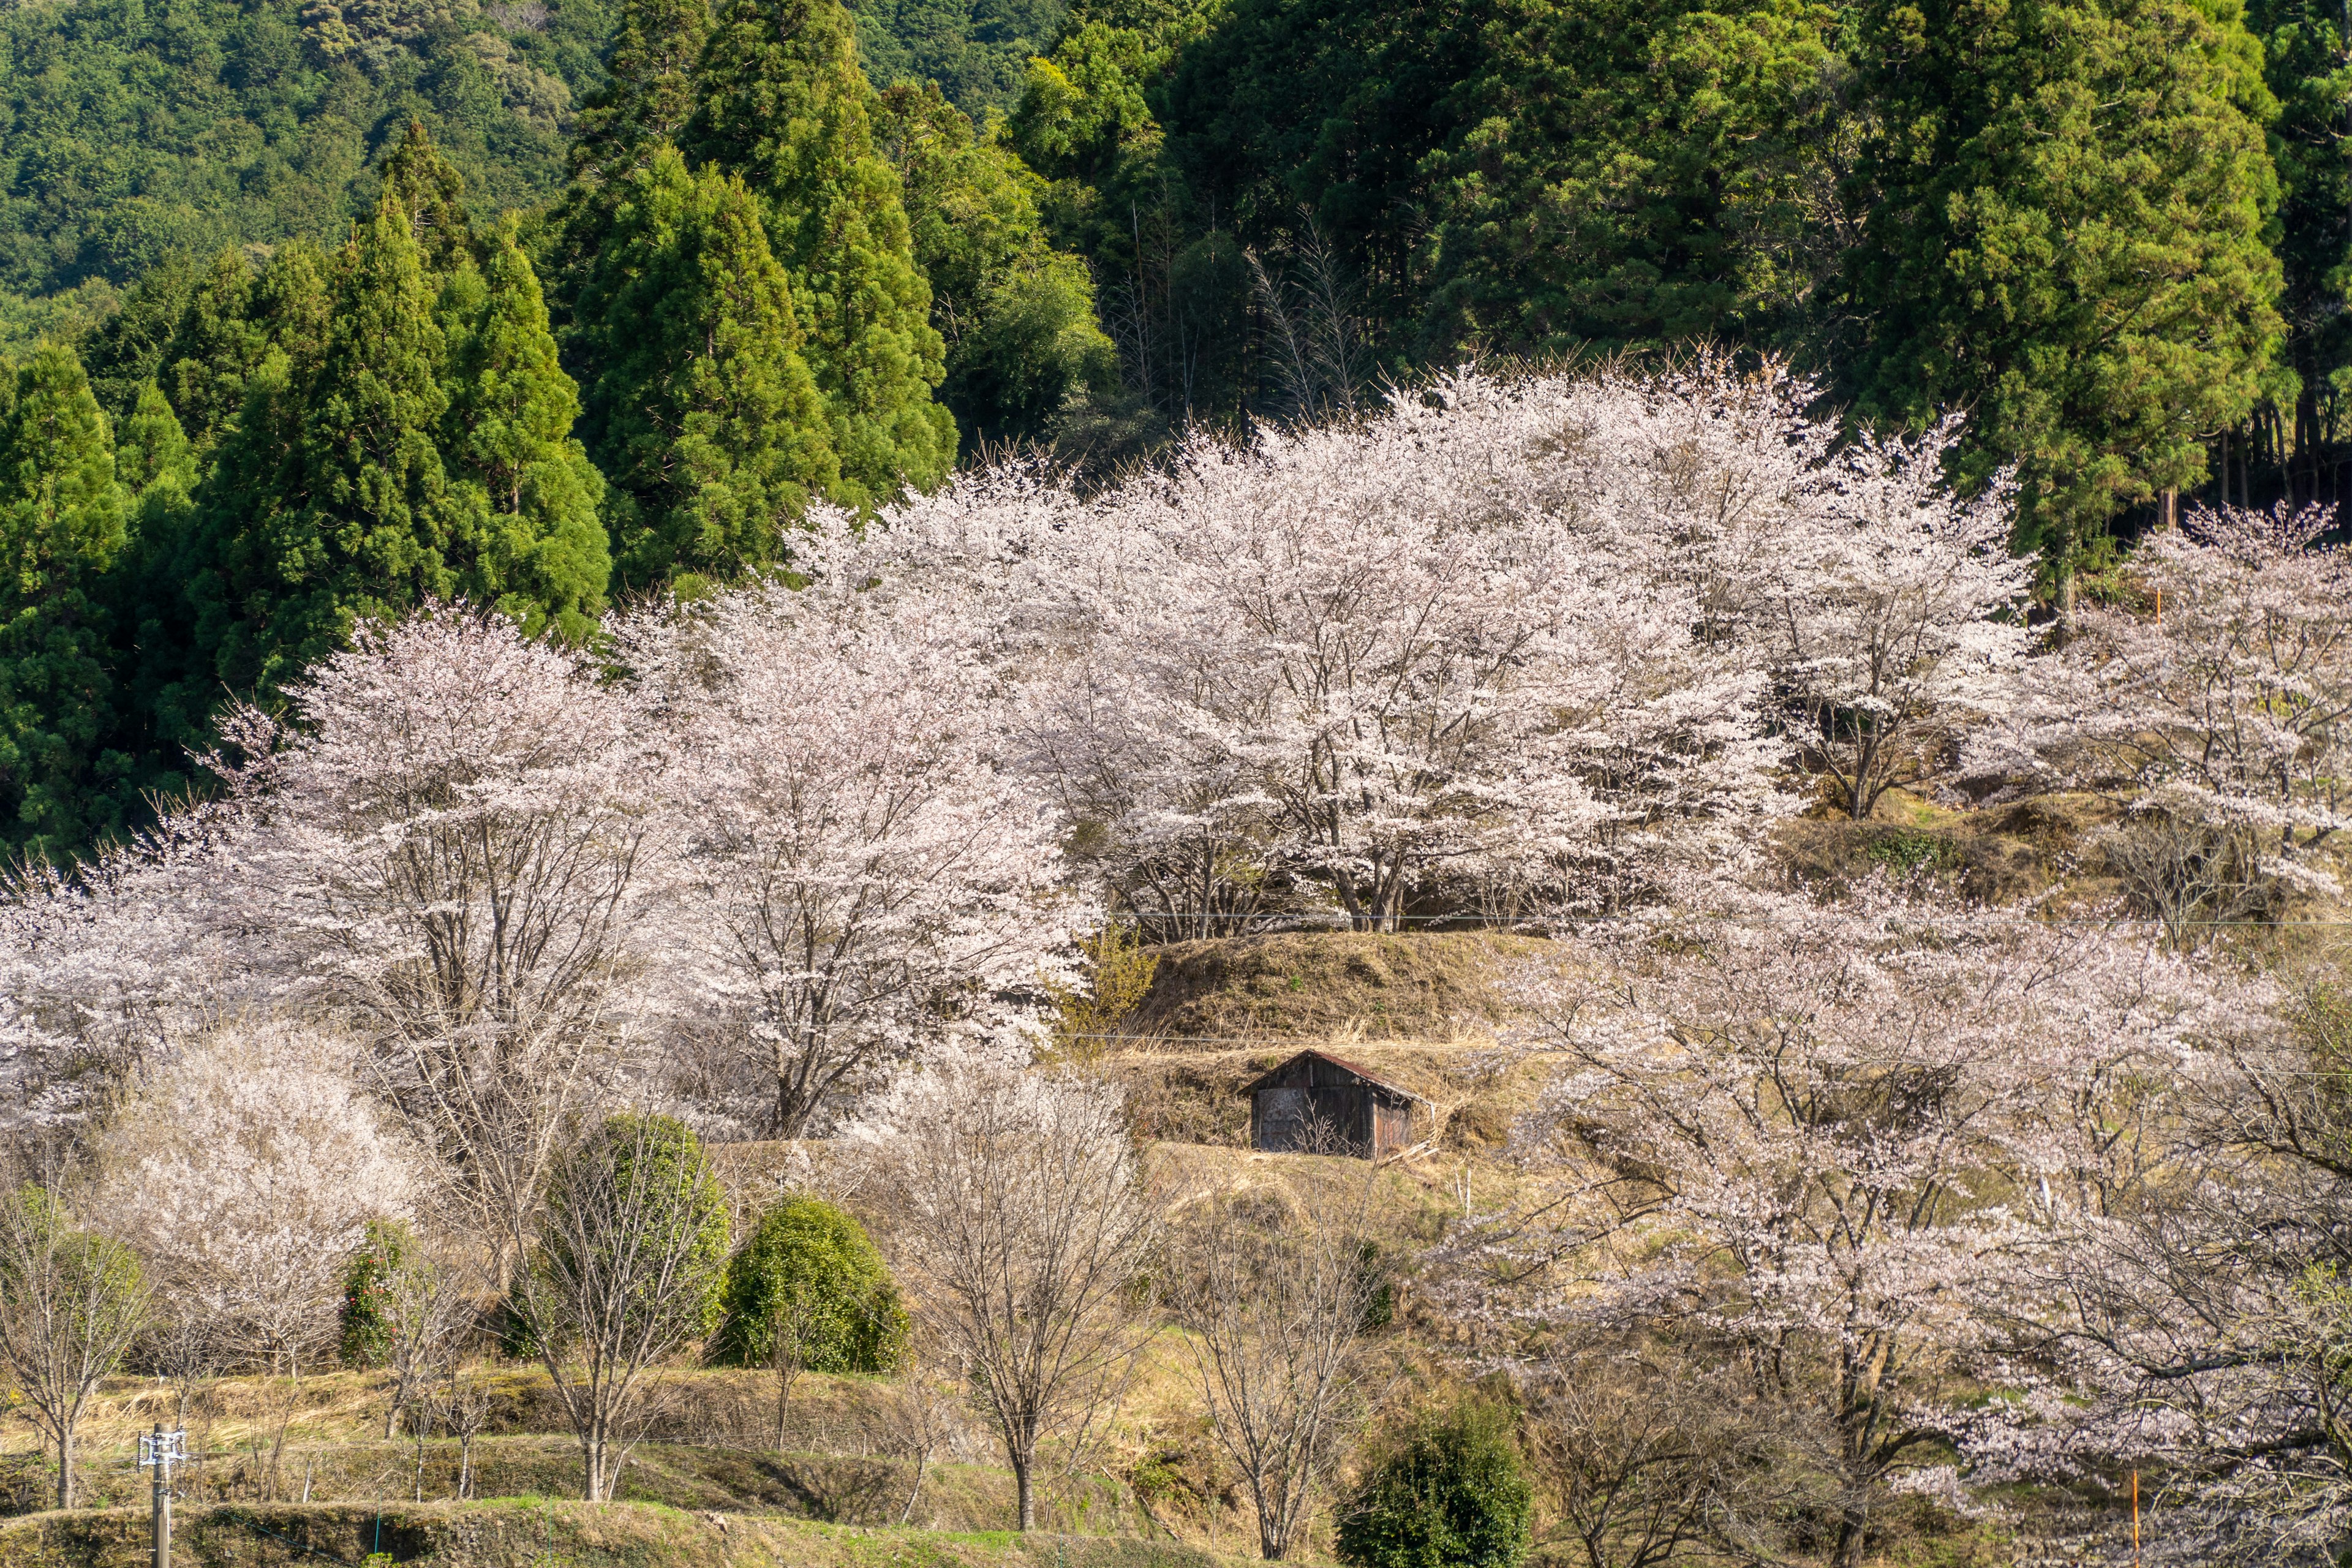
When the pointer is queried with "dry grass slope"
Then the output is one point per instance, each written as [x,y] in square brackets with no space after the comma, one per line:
[1422,985]
[531,1533]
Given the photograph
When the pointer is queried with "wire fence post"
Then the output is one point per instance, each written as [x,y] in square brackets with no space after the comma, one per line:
[159,1452]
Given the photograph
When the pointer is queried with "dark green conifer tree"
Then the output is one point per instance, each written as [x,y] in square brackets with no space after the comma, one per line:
[1619,173]
[2306,50]
[213,349]
[1017,316]
[125,355]
[528,494]
[158,468]
[61,526]
[650,90]
[431,191]
[154,455]
[384,466]
[781,100]
[2065,204]
[706,418]
[227,376]
[330,502]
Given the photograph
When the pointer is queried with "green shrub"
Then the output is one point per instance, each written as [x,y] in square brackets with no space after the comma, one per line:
[1914,850]
[809,1271]
[1446,1493]
[370,1279]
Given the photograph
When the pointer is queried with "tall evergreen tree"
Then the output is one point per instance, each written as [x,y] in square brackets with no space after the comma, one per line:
[214,347]
[227,377]
[2066,202]
[647,97]
[429,188]
[1636,174]
[2307,53]
[649,91]
[125,355]
[330,502]
[527,493]
[153,454]
[781,101]
[706,417]
[382,467]
[61,526]
[1017,316]
[159,468]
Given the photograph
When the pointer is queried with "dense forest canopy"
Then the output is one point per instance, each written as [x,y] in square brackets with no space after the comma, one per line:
[129,131]
[552,304]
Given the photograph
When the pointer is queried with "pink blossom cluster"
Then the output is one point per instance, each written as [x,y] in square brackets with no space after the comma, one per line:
[1507,644]
[2217,707]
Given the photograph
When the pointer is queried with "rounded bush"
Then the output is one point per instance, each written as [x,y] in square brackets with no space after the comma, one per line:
[1447,1493]
[810,1273]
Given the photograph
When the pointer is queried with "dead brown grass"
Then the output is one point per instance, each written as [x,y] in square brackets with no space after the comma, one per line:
[1315,985]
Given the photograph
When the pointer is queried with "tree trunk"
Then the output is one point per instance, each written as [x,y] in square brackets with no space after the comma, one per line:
[66,1462]
[1851,1524]
[923,1458]
[2062,585]
[1020,1469]
[1272,1540]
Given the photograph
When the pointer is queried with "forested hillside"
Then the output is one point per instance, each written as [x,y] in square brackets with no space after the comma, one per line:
[129,133]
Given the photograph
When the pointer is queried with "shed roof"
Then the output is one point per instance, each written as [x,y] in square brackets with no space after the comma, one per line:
[1368,1077]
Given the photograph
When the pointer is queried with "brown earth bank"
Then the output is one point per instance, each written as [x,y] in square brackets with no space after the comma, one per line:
[1417,986]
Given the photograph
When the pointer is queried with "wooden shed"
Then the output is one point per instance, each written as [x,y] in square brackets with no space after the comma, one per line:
[1315,1103]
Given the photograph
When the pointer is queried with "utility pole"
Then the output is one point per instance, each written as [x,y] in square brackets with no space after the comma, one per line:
[162,1450]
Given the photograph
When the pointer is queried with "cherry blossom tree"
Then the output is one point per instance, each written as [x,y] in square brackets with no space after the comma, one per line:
[1895,621]
[2190,1311]
[1809,1134]
[444,847]
[1395,644]
[859,872]
[245,1169]
[2215,713]
[109,964]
